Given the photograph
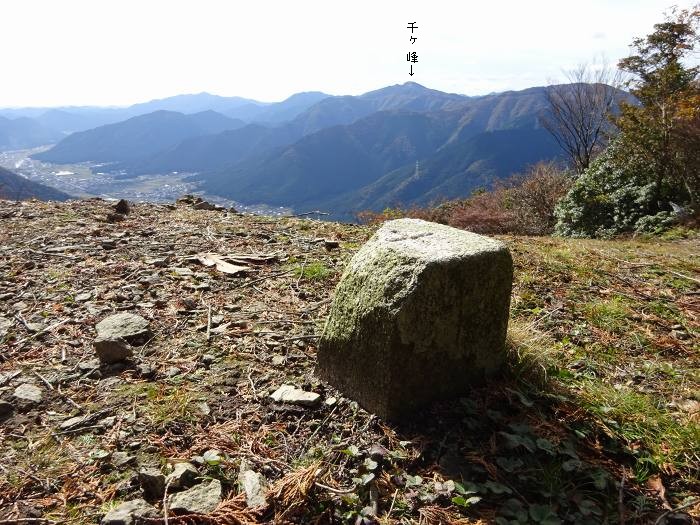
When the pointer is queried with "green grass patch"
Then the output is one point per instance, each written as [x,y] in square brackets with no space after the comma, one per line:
[610,315]
[653,436]
[314,271]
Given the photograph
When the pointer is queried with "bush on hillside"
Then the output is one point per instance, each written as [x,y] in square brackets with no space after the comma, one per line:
[619,193]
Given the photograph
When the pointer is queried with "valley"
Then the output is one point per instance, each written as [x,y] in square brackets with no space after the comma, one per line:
[85,180]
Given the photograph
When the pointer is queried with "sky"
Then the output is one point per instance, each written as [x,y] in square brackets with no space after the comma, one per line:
[119,52]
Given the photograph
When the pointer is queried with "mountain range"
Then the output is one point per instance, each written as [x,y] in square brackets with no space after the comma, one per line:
[403,144]
[30,127]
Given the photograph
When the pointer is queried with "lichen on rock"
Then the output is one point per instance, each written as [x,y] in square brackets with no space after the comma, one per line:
[420,313]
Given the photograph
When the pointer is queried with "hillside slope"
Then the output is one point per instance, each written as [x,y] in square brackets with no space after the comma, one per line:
[453,172]
[16,187]
[371,163]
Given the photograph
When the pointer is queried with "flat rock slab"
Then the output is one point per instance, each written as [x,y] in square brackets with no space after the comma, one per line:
[28,392]
[130,327]
[419,315]
[203,498]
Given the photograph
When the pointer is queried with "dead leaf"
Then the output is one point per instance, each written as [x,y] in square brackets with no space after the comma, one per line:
[214,259]
[654,483]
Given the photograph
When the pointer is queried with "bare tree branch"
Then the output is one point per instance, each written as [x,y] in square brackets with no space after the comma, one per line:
[578,111]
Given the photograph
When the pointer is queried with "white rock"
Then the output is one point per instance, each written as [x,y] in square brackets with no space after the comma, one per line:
[127,513]
[29,392]
[296,396]
[183,475]
[254,485]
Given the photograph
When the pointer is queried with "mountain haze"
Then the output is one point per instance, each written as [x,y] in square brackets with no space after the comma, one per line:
[276,112]
[136,137]
[24,132]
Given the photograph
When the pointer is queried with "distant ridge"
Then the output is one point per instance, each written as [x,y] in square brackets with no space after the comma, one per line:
[136,137]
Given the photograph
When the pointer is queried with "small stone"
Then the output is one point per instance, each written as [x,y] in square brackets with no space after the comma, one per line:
[82,297]
[204,205]
[202,498]
[183,475]
[35,327]
[111,351]
[6,409]
[296,396]
[188,198]
[71,423]
[680,334]
[158,262]
[254,485]
[208,359]
[152,482]
[145,370]
[330,401]
[278,360]
[116,333]
[203,408]
[172,371]
[115,217]
[120,459]
[330,244]
[110,244]
[89,365]
[28,392]
[107,422]
[122,207]
[184,272]
[128,512]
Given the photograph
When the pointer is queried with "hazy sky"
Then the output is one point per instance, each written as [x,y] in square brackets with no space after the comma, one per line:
[61,52]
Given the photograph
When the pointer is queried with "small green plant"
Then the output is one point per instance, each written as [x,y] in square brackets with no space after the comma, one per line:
[314,271]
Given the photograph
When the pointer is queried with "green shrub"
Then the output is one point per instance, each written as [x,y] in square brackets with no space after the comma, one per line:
[617,194]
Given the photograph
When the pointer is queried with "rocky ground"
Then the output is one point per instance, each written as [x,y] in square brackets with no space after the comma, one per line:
[205,409]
